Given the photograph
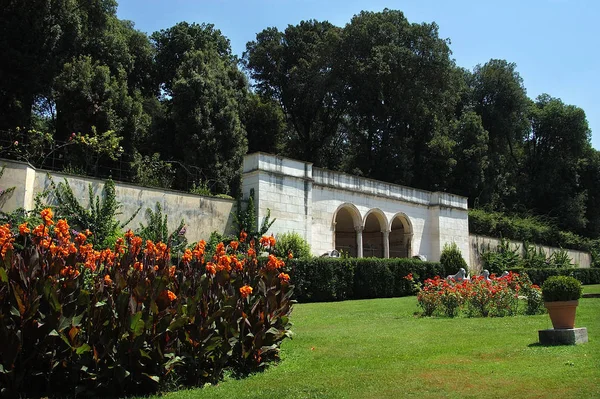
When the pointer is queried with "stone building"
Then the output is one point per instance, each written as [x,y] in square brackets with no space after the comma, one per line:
[360,216]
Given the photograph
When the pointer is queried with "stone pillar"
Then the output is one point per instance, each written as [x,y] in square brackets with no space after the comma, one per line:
[386,243]
[359,241]
[407,244]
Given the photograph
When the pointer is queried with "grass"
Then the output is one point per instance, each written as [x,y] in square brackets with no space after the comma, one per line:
[591,289]
[379,349]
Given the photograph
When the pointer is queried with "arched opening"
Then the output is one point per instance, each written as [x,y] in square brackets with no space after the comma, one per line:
[345,234]
[400,237]
[372,236]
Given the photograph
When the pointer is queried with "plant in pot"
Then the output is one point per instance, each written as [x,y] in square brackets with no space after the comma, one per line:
[561,296]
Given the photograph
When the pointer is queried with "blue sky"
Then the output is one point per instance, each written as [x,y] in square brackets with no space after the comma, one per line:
[553,42]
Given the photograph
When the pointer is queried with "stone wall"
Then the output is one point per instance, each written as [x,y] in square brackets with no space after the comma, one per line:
[202,214]
[479,244]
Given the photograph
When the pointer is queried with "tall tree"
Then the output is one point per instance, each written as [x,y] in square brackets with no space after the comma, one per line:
[36,38]
[173,43]
[500,99]
[207,94]
[264,123]
[296,69]
[559,138]
[401,90]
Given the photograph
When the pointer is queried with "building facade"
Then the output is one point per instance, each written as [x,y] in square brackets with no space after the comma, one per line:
[360,216]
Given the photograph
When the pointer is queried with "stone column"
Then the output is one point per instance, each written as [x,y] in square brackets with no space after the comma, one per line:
[386,243]
[407,244]
[359,241]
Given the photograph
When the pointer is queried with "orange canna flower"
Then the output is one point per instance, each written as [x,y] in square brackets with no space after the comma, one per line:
[129,234]
[284,278]
[290,255]
[80,238]
[47,215]
[251,252]
[107,280]
[40,231]
[234,245]
[245,291]
[23,229]
[171,271]
[171,295]
[274,263]
[272,241]
[138,266]
[210,268]
[6,239]
[187,256]
[264,241]
[243,236]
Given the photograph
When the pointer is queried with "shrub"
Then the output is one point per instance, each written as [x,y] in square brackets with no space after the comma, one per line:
[452,259]
[561,288]
[322,279]
[501,259]
[332,279]
[585,276]
[292,244]
[125,320]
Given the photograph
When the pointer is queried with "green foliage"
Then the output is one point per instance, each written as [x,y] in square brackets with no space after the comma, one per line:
[534,258]
[151,171]
[100,217]
[538,276]
[201,189]
[561,288]
[292,243]
[157,230]
[502,258]
[322,279]
[337,279]
[451,258]
[245,219]
[526,229]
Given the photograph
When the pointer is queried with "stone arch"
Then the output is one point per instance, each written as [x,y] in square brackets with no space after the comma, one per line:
[346,220]
[400,236]
[373,236]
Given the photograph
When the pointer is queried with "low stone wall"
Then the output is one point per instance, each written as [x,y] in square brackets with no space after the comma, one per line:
[480,244]
[202,214]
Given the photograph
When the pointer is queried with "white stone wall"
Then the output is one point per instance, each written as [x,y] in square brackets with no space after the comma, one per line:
[202,214]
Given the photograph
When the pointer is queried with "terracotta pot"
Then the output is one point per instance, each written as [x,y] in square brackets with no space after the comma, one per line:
[562,313]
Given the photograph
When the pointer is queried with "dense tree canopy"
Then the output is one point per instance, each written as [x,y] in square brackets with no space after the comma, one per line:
[379,97]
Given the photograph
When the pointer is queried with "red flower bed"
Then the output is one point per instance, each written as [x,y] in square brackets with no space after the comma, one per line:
[478,297]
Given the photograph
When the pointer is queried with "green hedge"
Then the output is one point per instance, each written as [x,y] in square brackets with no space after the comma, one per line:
[331,279]
[538,276]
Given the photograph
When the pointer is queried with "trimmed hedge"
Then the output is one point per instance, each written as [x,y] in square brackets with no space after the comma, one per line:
[538,276]
[333,279]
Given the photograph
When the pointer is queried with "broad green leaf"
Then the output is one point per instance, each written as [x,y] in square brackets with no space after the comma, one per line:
[83,349]
[137,324]
[3,275]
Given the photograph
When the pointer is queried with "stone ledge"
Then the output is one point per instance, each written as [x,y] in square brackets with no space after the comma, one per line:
[563,336]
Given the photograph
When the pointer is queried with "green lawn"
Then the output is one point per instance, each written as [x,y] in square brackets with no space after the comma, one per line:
[379,349]
[591,289]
